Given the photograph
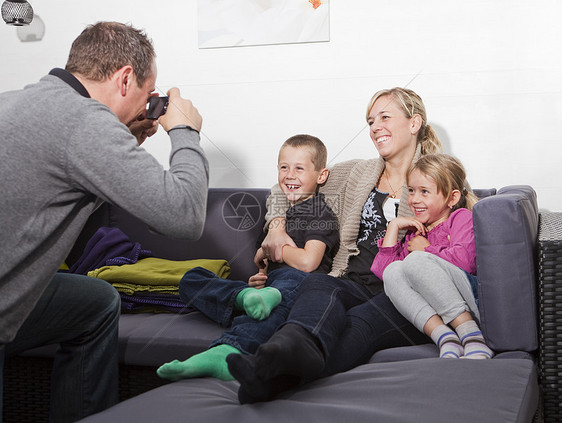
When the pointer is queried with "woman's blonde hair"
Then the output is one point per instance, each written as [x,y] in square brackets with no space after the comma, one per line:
[412,104]
[448,174]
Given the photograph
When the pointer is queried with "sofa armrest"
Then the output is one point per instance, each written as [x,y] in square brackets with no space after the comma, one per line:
[506,229]
[550,313]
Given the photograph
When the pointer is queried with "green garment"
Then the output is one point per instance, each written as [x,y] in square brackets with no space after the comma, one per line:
[155,274]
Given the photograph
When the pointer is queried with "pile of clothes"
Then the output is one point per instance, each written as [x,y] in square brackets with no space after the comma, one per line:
[144,282]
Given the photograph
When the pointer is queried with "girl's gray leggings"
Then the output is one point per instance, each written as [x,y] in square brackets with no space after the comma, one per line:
[424,284]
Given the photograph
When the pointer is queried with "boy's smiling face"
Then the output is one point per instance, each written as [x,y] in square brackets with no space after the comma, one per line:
[297,175]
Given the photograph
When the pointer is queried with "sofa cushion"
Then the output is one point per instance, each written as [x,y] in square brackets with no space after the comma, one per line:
[506,228]
[417,352]
[430,390]
[148,339]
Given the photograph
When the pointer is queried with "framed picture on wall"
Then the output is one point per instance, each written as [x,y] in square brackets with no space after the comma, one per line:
[236,23]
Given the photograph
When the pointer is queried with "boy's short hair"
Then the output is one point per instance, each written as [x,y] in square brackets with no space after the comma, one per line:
[317,147]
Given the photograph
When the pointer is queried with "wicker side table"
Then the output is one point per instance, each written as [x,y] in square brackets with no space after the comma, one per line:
[550,318]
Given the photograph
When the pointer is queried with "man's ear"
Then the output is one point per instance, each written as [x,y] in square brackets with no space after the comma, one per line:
[124,79]
[323,176]
[454,198]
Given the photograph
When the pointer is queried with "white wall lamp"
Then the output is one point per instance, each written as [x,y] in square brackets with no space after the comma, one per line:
[17,12]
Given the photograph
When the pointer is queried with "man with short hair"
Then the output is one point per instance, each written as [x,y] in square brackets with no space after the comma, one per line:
[68,143]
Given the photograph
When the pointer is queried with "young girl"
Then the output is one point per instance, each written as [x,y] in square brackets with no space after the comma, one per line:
[429,276]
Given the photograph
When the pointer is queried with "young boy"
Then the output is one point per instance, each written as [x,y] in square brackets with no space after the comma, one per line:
[269,294]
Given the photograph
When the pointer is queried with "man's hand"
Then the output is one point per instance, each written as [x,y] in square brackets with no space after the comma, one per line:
[180,112]
[143,128]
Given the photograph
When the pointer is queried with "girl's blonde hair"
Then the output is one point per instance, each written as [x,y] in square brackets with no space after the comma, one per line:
[448,174]
[412,104]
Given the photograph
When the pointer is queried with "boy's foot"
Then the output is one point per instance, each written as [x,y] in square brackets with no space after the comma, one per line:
[258,303]
[211,363]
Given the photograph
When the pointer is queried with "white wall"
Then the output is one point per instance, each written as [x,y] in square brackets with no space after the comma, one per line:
[490,73]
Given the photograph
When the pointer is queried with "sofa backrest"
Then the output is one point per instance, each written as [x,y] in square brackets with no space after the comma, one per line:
[506,230]
[235,219]
[505,224]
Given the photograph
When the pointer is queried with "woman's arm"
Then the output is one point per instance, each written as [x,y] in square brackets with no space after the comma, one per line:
[274,241]
[276,237]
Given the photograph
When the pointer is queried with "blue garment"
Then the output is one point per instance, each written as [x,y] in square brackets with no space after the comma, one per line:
[216,297]
[108,247]
[85,372]
[372,326]
[371,323]
[473,281]
[153,302]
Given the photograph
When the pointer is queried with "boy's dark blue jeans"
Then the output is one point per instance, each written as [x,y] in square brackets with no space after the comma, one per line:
[215,297]
[81,315]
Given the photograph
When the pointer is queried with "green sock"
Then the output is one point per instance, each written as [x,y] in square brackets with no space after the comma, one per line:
[210,363]
[258,303]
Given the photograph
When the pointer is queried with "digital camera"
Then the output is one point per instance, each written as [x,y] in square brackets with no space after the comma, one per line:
[157,106]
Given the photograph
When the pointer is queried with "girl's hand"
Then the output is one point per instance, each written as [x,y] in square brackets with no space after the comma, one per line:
[258,280]
[418,243]
[409,223]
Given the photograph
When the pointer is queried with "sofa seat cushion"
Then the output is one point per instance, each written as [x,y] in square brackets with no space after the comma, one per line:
[416,352]
[428,390]
[151,339]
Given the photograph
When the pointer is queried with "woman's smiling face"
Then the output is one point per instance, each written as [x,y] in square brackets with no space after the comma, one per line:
[391,131]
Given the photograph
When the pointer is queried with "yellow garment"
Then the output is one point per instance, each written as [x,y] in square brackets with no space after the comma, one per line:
[155,274]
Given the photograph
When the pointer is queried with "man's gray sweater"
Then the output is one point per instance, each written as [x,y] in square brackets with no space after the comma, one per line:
[62,153]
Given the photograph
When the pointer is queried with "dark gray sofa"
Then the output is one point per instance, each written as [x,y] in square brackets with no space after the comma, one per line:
[397,385]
